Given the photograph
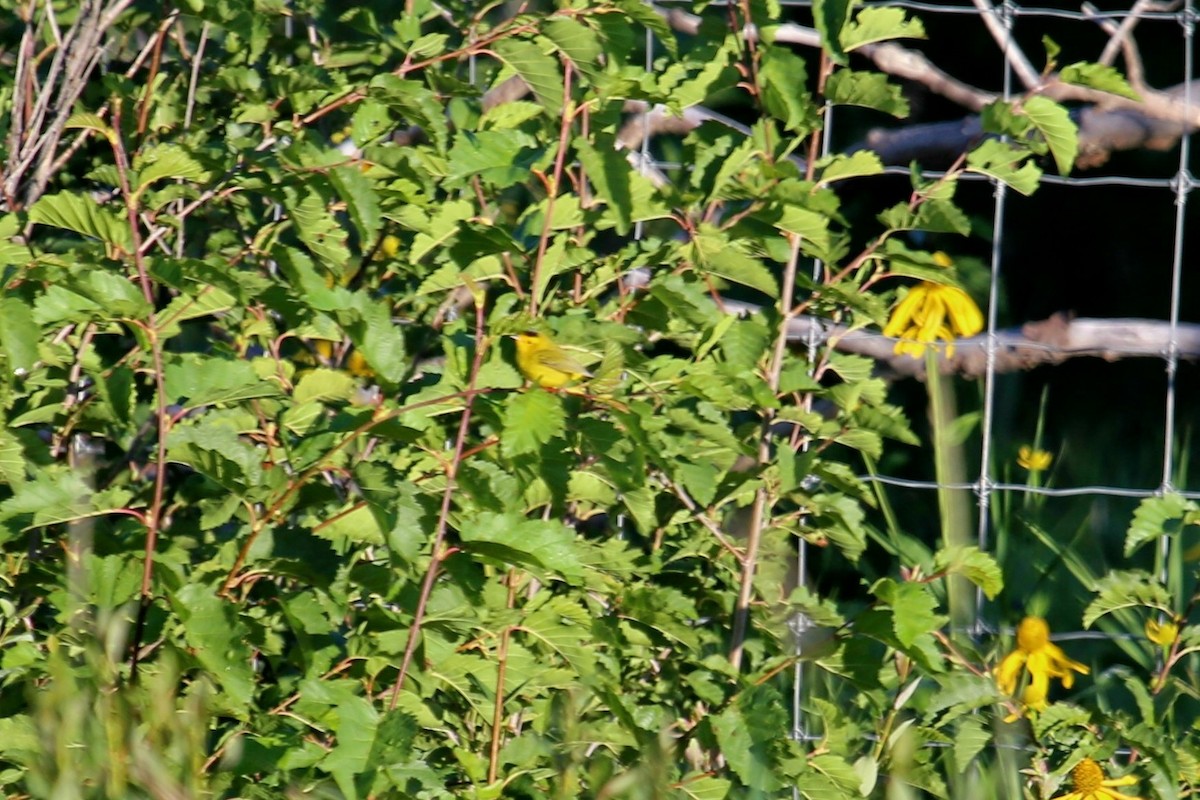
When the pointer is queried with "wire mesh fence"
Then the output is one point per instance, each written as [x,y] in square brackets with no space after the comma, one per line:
[1106,491]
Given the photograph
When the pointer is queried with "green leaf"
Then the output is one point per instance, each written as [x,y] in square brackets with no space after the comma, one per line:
[545,546]
[976,566]
[879,24]
[652,21]
[1156,517]
[685,86]
[219,641]
[168,161]
[355,726]
[89,121]
[830,17]
[712,251]
[969,741]
[1052,51]
[193,381]
[19,334]
[362,202]
[416,102]
[12,460]
[609,174]
[856,165]
[83,215]
[1054,123]
[500,158]
[531,419]
[781,72]
[913,609]
[216,450]
[324,385]
[49,498]
[747,734]
[869,89]
[1098,76]
[377,337]
[539,70]
[1126,589]
[701,786]
[1003,162]
[579,43]
[317,227]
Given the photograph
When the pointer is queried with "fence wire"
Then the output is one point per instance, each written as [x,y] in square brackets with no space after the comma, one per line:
[987,486]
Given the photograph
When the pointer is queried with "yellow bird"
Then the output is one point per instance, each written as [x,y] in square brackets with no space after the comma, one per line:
[545,363]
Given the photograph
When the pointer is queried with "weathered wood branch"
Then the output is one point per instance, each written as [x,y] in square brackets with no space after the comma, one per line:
[1034,344]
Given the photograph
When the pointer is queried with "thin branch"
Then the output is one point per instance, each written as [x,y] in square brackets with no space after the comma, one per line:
[760,511]
[1029,77]
[1034,344]
[438,551]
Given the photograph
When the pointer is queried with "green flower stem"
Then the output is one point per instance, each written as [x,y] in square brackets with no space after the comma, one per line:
[954,509]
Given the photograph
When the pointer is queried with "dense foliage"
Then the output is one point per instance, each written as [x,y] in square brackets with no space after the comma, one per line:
[280,515]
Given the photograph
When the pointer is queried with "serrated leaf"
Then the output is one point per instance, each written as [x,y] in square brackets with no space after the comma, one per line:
[362,202]
[913,609]
[856,165]
[219,641]
[50,498]
[416,102]
[531,419]
[168,162]
[500,158]
[700,786]
[537,69]
[19,334]
[1156,517]
[544,545]
[712,251]
[969,740]
[218,452]
[83,215]
[685,86]
[1055,124]
[868,89]
[1125,589]
[829,17]
[746,732]
[579,43]
[317,227]
[1003,162]
[781,72]
[193,380]
[1098,76]
[972,563]
[12,460]
[324,385]
[650,19]
[92,122]
[880,24]
[609,174]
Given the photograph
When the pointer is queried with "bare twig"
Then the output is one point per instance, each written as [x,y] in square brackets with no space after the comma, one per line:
[438,550]
[1026,74]
[1034,344]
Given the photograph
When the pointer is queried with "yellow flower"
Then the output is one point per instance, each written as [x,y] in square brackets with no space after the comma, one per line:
[1090,784]
[1042,658]
[1034,698]
[1163,633]
[1032,459]
[932,311]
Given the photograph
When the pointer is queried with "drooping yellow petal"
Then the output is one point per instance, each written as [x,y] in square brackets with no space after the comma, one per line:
[903,313]
[1009,670]
[965,317]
